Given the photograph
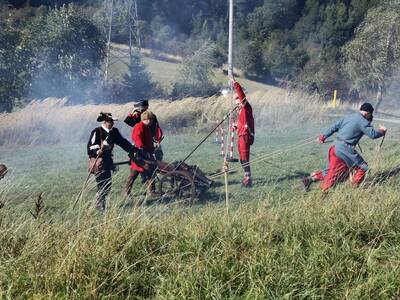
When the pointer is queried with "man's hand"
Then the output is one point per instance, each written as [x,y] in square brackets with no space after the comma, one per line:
[382,129]
[321,139]
[99,152]
[133,155]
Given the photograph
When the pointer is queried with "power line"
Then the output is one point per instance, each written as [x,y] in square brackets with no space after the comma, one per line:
[120,15]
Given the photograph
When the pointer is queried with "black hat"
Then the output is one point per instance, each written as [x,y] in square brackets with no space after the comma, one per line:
[104,116]
[141,104]
[367,107]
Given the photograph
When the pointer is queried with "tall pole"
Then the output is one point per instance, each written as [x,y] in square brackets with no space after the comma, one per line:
[230,75]
[230,61]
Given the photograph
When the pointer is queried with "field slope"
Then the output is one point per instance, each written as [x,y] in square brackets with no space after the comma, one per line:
[276,241]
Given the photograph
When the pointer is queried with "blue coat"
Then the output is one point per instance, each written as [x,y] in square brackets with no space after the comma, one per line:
[350,129]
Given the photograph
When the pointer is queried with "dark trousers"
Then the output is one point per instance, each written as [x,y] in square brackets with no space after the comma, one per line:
[103,181]
[131,180]
[146,177]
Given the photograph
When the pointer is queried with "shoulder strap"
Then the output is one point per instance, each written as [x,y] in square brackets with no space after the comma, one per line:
[101,137]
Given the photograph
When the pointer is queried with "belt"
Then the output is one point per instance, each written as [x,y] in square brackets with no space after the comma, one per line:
[344,142]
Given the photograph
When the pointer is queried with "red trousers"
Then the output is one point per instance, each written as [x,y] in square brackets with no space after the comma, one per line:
[338,172]
[244,147]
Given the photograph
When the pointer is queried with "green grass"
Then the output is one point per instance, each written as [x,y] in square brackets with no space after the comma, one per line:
[276,242]
[60,168]
[165,72]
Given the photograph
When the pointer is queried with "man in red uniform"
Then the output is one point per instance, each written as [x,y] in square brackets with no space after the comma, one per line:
[245,132]
[135,117]
[143,140]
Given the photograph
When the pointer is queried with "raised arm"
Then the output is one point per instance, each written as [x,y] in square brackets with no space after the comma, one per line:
[239,91]
[132,119]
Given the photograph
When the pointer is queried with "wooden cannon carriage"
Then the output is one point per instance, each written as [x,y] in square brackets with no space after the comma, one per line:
[181,181]
[176,180]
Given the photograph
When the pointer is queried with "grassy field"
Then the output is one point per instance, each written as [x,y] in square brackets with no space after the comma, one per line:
[55,169]
[276,242]
[165,72]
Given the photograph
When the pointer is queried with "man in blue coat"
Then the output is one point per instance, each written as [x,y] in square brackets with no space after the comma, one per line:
[343,157]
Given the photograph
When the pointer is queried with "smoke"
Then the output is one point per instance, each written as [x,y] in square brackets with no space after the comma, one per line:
[58,85]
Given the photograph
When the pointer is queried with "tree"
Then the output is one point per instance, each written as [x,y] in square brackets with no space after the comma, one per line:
[282,60]
[137,84]
[14,67]
[373,56]
[196,76]
[68,52]
[249,58]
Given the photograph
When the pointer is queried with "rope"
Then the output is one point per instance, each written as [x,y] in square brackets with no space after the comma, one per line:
[269,155]
[207,136]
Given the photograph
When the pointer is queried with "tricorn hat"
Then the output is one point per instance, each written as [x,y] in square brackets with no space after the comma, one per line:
[141,104]
[105,116]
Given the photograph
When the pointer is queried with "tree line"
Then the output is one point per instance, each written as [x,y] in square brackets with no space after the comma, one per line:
[319,46]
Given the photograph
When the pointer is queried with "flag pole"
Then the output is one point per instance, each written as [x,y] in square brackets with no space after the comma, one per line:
[230,75]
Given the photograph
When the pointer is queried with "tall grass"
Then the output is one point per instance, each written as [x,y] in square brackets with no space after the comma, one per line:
[52,121]
[340,245]
[276,242]
[343,245]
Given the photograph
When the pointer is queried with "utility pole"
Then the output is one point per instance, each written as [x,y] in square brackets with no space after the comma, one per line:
[120,14]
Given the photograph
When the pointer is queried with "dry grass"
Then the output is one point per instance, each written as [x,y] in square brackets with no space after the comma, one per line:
[52,121]
[344,246]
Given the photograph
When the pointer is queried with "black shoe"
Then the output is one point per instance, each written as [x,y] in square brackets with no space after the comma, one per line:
[247,183]
[307,181]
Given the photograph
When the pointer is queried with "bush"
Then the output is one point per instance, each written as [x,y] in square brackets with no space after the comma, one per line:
[14,67]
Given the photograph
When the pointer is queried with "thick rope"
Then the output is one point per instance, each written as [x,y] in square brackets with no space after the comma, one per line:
[269,155]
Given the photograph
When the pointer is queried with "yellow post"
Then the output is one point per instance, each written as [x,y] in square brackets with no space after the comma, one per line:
[334,98]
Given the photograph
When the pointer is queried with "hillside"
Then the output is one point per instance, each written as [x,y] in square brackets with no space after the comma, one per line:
[164,71]
[305,205]
[276,241]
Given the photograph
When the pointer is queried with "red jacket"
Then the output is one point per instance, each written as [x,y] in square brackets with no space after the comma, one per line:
[245,124]
[142,138]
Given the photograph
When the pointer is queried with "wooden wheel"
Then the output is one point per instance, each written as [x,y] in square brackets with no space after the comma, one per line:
[177,184]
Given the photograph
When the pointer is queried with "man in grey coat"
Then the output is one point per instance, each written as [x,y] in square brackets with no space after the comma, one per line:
[343,156]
